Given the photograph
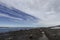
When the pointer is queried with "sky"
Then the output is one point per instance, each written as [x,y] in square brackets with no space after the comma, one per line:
[36,12]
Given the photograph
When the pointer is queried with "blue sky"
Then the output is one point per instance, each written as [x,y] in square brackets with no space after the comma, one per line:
[41,13]
[15,18]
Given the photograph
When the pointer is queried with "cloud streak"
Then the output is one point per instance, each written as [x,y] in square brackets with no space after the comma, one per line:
[16,14]
[48,11]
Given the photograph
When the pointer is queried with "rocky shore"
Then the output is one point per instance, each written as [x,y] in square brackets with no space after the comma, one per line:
[32,34]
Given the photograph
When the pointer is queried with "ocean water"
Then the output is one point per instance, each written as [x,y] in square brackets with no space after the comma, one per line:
[8,29]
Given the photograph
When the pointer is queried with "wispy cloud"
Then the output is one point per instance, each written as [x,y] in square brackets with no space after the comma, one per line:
[3,15]
[47,10]
[16,14]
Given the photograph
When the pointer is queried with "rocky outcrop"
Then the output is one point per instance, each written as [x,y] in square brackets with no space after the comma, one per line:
[31,34]
[52,34]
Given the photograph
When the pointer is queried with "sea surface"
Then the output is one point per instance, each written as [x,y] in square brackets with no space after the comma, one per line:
[7,29]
